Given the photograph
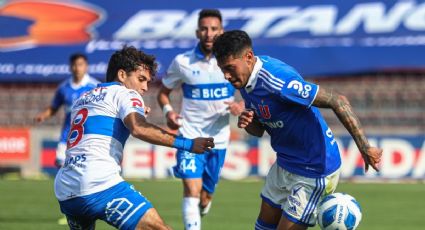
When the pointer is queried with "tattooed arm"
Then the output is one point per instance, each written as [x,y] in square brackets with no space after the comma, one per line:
[343,110]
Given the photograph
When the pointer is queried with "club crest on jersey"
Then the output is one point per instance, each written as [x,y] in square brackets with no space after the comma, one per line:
[264,111]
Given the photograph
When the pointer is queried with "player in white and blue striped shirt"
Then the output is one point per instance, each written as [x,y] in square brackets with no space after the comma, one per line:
[89,186]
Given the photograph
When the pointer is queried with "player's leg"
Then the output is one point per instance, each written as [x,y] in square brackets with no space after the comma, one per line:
[151,221]
[273,195]
[269,216]
[189,168]
[190,204]
[206,202]
[299,209]
[214,161]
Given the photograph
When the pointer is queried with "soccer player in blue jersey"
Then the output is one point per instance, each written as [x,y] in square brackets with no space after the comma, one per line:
[65,95]
[280,102]
[207,104]
[89,186]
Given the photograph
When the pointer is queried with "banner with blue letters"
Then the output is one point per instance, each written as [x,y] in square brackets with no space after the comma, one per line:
[317,38]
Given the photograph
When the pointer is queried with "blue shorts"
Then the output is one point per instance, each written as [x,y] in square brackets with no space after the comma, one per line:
[206,166]
[120,206]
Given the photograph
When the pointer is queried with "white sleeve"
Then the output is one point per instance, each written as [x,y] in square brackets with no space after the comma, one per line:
[130,101]
[174,76]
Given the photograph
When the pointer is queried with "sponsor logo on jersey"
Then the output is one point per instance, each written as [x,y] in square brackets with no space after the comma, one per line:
[208,91]
[303,90]
[274,124]
[76,161]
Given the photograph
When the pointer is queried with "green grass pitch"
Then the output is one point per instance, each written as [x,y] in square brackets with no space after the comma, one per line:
[29,204]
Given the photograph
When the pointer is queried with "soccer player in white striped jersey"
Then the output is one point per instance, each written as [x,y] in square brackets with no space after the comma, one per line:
[207,104]
[89,185]
[280,102]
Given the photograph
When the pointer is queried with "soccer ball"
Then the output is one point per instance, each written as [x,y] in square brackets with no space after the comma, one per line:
[339,211]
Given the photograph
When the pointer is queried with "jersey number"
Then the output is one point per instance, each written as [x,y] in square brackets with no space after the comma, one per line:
[77,128]
[190,165]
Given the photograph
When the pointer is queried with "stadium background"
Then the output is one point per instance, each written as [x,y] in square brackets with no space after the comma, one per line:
[370,51]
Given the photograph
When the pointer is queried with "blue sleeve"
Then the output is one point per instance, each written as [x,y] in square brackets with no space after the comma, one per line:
[299,91]
[58,99]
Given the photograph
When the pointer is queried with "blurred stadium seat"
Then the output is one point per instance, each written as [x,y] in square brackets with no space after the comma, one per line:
[384,102]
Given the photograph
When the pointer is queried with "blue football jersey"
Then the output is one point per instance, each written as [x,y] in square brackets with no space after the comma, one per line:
[282,101]
[66,94]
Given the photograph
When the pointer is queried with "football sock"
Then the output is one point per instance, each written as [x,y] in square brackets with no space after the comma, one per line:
[191,214]
[261,225]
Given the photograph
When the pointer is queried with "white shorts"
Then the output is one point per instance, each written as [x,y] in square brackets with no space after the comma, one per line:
[297,195]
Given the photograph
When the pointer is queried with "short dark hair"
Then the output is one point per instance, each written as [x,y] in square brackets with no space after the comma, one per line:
[231,43]
[129,59]
[209,13]
[76,56]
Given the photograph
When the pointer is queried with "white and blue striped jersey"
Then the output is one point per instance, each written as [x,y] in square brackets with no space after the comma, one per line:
[205,92]
[282,101]
[96,140]
[66,94]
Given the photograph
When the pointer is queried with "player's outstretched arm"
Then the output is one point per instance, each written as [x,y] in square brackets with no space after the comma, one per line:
[47,113]
[143,130]
[343,110]
[250,123]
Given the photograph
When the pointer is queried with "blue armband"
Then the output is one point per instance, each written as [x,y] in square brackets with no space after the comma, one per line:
[183,143]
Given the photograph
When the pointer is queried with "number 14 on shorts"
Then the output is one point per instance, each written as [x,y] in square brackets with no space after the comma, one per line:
[188,164]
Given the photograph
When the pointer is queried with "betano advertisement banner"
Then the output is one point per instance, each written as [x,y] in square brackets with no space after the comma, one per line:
[403,158]
[318,38]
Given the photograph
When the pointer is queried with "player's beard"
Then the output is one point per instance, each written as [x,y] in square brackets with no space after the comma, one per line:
[205,49]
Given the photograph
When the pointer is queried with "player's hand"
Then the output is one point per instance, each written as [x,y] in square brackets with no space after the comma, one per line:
[235,108]
[59,163]
[202,144]
[147,110]
[245,118]
[173,120]
[372,157]
[39,118]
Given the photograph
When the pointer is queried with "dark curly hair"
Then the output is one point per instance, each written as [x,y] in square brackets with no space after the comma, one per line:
[129,59]
[231,43]
[209,13]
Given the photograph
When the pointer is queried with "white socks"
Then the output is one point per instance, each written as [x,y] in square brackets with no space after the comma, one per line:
[191,213]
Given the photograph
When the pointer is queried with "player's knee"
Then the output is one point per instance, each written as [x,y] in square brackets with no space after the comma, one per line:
[192,193]
[192,189]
